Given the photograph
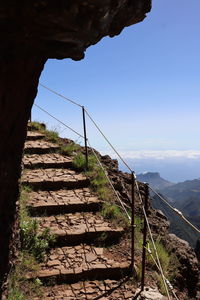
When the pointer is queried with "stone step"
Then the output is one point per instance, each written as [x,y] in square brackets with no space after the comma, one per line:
[52,160]
[62,201]
[79,263]
[34,135]
[40,147]
[90,290]
[84,227]
[53,179]
[32,127]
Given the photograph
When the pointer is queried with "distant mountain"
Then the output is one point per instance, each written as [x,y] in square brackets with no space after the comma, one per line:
[177,225]
[186,197]
[154,179]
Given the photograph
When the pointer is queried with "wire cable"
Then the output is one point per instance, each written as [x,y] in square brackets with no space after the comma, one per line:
[60,95]
[178,212]
[167,281]
[121,202]
[58,120]
[153,243]
[108,141]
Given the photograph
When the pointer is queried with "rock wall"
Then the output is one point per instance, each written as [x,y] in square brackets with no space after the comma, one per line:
[19,80]
[31,32]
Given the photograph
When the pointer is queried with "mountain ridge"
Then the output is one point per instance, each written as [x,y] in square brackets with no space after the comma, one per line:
[154,179]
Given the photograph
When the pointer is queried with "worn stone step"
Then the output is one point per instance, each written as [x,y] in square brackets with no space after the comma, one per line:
[31,126]
[40,147]
[90,290]
[79,263]
[34,135]
[73,229]
[52,160]
[62,201]
[53,179]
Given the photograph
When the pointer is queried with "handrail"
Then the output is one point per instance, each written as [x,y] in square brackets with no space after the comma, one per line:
[60,95]
[58,120]
[178,212]
[95,124]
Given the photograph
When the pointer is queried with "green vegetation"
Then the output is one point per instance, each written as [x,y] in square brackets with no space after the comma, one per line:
[169,263]
[138,233]
[69,149]
[32,241]
[52,136]
[33,248]
[19,287]
[37,126]
[163,255]
[115,214]
[101,187]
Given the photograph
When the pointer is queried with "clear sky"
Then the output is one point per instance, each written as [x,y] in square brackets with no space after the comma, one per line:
[142,87]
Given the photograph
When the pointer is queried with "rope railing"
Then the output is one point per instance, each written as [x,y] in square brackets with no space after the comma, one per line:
[167,281]
[60,95]
[98,128]
[81,106]
[152,240]
[134,184]
[59,121]
[107,177]
[178,212]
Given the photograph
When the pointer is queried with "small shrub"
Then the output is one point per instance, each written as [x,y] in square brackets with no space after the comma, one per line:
[138,233]
[16,294]
[20,288]
[52,136]
[79,161]
[160,283]
[33,242]
[69,149]
[163,255]
[110,211]
[37,126]
[99,179]
[114,213]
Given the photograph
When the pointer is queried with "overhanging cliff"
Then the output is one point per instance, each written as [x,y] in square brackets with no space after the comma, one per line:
[31,32]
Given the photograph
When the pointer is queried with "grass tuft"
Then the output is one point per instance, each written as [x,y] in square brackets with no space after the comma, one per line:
[33,249]
[69,149]
[163,255]
[52,136]
[37,126]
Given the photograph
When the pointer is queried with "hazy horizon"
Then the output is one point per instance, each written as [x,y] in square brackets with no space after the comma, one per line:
[173,165]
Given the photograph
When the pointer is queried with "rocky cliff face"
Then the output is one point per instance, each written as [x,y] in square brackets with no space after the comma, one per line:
[187,279]
[31,32]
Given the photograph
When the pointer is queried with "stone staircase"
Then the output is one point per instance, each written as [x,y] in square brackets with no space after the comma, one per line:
[79,265]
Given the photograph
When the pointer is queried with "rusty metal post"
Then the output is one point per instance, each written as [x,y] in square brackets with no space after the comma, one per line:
[85,138]
[132,221]
[144,237]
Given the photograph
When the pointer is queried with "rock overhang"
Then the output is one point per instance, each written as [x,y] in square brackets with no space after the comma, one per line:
[64,29]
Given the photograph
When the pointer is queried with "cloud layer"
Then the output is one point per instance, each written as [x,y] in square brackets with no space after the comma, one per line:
[159,154]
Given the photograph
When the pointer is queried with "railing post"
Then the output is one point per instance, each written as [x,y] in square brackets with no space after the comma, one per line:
[132,221]
[85,138]
[144,237]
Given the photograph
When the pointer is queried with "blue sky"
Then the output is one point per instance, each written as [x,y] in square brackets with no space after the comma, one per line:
[142,87]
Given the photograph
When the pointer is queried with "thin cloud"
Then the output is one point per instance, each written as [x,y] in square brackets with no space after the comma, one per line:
[159,155]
